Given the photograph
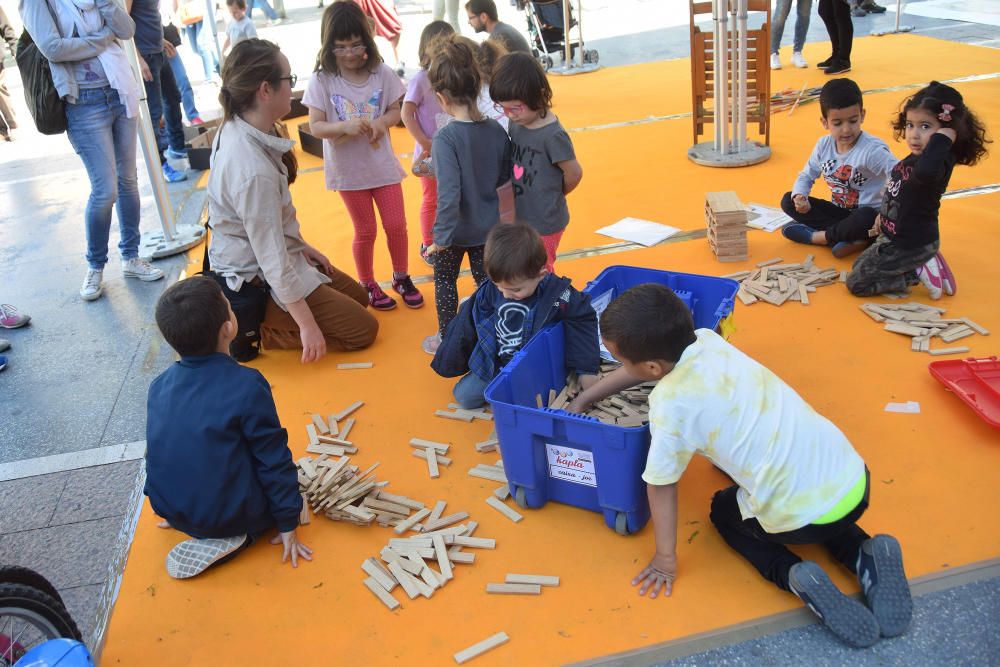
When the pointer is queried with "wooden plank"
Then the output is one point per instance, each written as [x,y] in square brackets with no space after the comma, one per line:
[311,432]
[446,521]
[404,579]
[400,500]
[386,506]
[982,331]
[348,410]
[321,425]
[410,522]
[464,557]
[354,366]
[487,445]
[479,542]
[423,454]
[453,415]
[949,350]
[432,463]
[389,601]
[503,492]
[488,472]
[478,649]
[499,506]
[514,589]
[348,425]
[379,574]
[442,557]
[437,511]
[439,447]
[540,579]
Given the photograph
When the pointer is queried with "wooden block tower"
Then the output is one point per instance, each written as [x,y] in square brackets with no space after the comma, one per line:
[727,226]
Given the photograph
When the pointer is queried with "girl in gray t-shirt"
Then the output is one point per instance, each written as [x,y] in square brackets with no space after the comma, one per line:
[545,168]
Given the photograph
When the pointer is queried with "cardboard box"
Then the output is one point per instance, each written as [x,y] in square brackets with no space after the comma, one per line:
[309,143]
[298,109]
[200,148]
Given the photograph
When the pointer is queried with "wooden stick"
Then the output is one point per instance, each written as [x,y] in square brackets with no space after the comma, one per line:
[389,601]
[515,589]
[321,425]
[457,416]
[349,409]
[949,350]
[354,366]
[439,447]
[503,509]
[540,579]
[482,647]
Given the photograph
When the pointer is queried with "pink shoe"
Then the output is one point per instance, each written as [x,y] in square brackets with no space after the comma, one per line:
[947,277]
[10,318]
[405,288]
[378,299]
[930,276]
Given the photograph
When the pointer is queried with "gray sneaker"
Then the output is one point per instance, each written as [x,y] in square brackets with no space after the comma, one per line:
[141,269]
[192,557]
[4,344]
[847,618]
[92,287]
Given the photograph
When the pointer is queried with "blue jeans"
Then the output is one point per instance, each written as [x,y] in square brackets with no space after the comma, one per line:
[105,140]
[265,6]
[803,7]
[469,391]
[209,59]
[184,86]
[164,101]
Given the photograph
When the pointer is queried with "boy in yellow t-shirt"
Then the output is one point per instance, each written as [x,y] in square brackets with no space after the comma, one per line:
[798,479]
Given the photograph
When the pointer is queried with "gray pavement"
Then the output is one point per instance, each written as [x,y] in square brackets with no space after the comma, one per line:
[76,385]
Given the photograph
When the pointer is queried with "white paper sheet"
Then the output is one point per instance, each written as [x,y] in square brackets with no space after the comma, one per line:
[639,231]
[765,218]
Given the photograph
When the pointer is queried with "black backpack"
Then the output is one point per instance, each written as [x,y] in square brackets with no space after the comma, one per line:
[47,108]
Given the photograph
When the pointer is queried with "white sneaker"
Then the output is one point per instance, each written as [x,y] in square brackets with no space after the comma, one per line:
[798,60]
[192,557]
[92,287]
[930,277]
[141,269]
[775,61]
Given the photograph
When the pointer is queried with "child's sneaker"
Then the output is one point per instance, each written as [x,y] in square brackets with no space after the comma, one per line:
[378,299]
[141,269]
[406,289]
[92,287]
[930,276]
[883,581]
[796,231]
[171,175]
[948,282]
[775,61]
[431,344]
[845,617]
[843,249]
[4,344]
[10,318]
[192,557]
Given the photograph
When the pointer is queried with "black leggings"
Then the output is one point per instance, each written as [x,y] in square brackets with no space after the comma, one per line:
[836,14]
[840,224]
[447,264]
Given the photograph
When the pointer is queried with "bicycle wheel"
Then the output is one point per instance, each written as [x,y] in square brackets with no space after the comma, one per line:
[29,617]
[15,574]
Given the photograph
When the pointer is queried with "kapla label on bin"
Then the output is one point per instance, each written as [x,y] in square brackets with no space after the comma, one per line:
[571,465]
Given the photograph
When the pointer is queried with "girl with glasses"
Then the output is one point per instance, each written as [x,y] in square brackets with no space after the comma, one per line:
[353,99]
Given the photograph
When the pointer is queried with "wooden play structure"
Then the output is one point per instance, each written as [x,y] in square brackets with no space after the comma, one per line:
[729,66]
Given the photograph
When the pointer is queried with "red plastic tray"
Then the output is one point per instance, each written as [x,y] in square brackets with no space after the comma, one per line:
[975,381]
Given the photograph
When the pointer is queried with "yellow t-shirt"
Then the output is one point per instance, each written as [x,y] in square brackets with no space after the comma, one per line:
[791,463]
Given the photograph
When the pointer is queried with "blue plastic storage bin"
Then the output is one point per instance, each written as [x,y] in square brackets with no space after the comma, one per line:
[577,460]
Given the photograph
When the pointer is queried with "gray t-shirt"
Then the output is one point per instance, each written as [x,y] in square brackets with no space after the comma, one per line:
[856,178]
[240,30]
[510,37]
[471,160]
[538,181]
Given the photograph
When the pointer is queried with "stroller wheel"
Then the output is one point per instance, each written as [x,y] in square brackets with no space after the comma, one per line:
[546,61]
[591,56]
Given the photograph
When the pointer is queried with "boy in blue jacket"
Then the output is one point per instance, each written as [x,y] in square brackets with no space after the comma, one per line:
[519,299]
[217,461]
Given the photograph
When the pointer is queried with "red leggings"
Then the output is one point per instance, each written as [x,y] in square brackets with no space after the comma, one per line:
[428,209]
[551,243]
[389,199]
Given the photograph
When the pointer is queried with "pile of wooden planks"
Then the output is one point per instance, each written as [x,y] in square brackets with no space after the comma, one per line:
[626,408]
[775,283]
[922,323]
[338,490]
[458,413]
[328,436]
[726,218]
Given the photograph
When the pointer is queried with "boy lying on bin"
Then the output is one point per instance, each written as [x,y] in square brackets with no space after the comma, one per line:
[798,479]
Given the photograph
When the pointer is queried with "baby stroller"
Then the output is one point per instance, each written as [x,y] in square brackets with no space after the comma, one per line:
[546,27]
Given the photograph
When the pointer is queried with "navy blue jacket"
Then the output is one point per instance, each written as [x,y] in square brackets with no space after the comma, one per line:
[217,458]
[470,343]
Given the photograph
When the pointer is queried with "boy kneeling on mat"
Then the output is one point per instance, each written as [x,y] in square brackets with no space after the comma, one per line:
[798,479]
[217,461]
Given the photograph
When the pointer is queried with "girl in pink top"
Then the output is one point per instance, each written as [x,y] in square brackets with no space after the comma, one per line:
[353,100]
[423,117]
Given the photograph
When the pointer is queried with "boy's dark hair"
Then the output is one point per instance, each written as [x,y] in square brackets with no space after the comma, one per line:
[513,252]
[190,314]
[344,20]
[487,7]
[431,32]
[237,3]
[453,71]
[648,322]
[839,94]
[518,76]
[970,142]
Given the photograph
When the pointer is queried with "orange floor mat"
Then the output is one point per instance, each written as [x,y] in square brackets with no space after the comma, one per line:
[929,471]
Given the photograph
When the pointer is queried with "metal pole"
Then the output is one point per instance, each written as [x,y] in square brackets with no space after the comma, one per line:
[567,50]
[734,90]
[741,125]
[716,72]
[898,28]
[210,19]
[722,83]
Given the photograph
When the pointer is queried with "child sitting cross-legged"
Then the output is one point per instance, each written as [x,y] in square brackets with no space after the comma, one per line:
[217,461]
[797,478]
[517,301]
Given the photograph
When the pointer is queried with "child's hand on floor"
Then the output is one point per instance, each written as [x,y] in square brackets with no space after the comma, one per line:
[660,573]
[292,547]
[802,204]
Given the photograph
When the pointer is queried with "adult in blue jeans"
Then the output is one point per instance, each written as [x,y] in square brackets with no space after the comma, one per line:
[162,95]
[268,10]
[802,8]
[173,36]
[92,75]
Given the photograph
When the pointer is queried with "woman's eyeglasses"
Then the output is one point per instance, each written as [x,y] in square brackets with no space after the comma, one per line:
[291,79]
[354,50]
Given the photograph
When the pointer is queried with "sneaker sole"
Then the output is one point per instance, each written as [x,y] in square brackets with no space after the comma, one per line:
[889,599]
[16,326]
[93,297]
[413,305]
[146,278]
[845,617]
[839,71]
[192,557]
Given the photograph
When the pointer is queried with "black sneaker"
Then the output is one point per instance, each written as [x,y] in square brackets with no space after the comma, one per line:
[871,7]
[838,67]
[822,64]
[883,581]
[845,617]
